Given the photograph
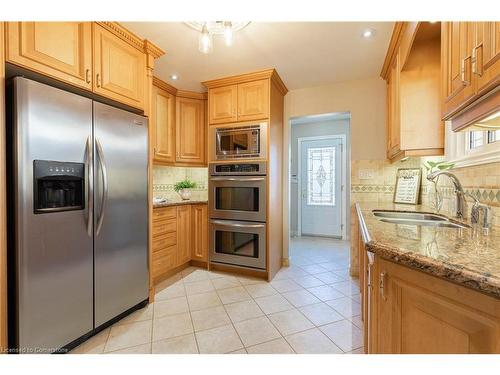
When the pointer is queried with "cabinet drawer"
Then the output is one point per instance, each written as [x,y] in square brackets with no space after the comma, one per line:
[163,261]
[160,243]
[163,227]
[164,213]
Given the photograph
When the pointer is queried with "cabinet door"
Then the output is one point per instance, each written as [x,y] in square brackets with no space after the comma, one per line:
[62,50]
[393,113]
[223,104]
[183,234]
[200,235]
[163,126]
[422,314]
[190,131]
[486,55]
[119,69]
[253,100]
[456,42]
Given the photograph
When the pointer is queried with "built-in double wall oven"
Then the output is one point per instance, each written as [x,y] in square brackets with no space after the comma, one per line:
[237,207]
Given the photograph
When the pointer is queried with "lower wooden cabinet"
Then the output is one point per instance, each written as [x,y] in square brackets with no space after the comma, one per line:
[180,234]
[406,311]
[199,216]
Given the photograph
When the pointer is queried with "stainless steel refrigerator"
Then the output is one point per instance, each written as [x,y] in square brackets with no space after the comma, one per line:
[79,215]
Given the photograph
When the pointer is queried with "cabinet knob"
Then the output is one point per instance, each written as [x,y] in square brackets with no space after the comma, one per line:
[87,76]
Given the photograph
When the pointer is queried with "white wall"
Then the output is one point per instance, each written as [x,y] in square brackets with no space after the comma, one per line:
[320,128]
[364,99]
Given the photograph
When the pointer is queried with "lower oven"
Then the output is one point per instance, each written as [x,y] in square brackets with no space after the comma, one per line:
[238,243]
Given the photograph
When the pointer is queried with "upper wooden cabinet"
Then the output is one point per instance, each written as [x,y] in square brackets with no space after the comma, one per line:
[102,57]
[62,50]
[471,63]
[190,131]
[253,100]
[241,98]
[412,70]
[199,216]
[119,69]
[223,104]
[162,119]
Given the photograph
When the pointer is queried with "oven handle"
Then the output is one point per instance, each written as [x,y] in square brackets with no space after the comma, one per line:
[233,224]
[243,179]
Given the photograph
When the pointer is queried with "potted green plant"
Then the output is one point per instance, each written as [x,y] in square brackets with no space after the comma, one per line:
[183,188]
[431,166]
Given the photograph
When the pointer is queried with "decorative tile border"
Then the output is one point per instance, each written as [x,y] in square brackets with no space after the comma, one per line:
[372,189]
[488,196]
[170,187]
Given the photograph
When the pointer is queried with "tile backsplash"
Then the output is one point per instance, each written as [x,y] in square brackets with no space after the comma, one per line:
[374,181]
[164,179]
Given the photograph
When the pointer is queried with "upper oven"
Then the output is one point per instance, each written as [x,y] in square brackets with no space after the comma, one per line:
[238,191]
[239,141]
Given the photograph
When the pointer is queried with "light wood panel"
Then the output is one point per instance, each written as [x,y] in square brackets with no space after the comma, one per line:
[190,131]
[223,104]
[62,50]
[199,216]
[393,113]
[253,100]
[486,55]
[183,234]
[422,314]
[119,69]
[3,203]
[163,126]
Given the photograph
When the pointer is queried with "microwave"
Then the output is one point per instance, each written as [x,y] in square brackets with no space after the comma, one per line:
[239,141]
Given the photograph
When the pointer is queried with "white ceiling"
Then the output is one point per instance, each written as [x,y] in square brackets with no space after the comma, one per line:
[305,54]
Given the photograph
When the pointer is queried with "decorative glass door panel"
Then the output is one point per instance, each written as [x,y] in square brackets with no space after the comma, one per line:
[321,176]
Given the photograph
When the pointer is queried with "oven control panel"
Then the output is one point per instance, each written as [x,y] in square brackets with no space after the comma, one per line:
[258,168]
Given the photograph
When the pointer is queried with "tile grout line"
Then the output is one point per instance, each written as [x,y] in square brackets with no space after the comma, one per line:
[190,315]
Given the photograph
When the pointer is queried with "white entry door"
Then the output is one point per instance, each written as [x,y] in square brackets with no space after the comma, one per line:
[320,184]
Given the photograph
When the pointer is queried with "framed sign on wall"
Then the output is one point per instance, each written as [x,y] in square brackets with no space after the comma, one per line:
[408,182]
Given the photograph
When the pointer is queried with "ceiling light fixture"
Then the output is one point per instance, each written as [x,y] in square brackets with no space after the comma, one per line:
[208,29]
[174,77]
[368,33]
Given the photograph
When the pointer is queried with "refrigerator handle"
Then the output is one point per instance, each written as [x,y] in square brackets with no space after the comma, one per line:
[90,175]
[100,157]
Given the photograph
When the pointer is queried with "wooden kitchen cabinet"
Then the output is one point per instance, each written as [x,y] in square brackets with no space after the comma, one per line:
[223,104]
[61,50]
[412,70]
[416,313]
[119,69]
[253,100]
[199,215]
[183,234]
[470,54]
[162,121]
[190,131]
[393,114]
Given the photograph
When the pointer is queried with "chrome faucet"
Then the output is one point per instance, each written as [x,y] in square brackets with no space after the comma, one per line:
[477,209]
[461,204]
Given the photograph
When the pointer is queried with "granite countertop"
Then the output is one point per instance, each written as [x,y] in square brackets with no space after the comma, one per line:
[464,256]
[179,202]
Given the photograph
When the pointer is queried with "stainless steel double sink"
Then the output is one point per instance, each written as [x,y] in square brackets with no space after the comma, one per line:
[417,218]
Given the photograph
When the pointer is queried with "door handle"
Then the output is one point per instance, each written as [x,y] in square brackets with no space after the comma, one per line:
[477,60]
[465,78]
[238,225]
[382,285]
[244,179]
[90,175]
[104,172]
[87,75]
[98,80]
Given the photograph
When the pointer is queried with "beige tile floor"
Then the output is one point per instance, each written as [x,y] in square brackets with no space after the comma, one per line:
[310,307]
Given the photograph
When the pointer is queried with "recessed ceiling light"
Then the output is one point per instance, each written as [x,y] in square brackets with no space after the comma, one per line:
[368,33]
[175,77]
[433,21]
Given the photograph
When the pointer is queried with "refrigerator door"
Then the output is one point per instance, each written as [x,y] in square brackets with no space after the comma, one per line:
[121,211]
[52,248]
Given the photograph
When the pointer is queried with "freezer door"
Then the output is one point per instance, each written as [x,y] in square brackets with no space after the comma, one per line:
[121,211]
[52,248]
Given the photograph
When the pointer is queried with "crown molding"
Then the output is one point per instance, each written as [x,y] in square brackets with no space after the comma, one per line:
[164,86]
[191,94]
[132,39]
[271,74]
[397,33]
